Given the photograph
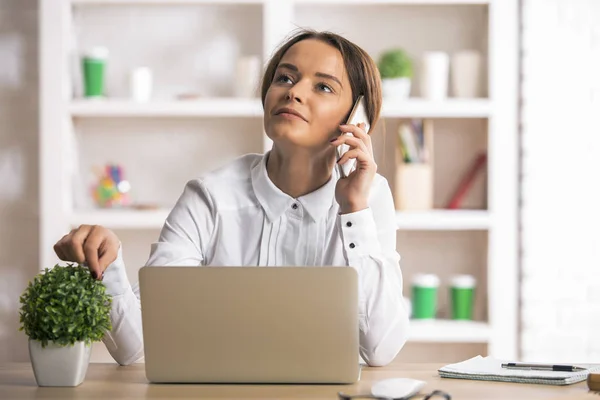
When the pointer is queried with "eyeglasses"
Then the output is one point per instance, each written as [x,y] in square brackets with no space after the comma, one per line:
[436,394]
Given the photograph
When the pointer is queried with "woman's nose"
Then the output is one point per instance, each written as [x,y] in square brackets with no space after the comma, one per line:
[291,95]
[297,93]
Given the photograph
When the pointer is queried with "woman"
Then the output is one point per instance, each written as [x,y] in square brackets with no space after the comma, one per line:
[287,207]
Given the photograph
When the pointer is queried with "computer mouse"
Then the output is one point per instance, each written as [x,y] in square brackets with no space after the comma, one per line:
[397,388]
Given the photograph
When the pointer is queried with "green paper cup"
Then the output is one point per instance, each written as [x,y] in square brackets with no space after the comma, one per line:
[424,296]
[462,296]
[94,67]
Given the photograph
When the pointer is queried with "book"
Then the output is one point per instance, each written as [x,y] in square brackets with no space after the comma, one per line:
[411,142]
[489,369]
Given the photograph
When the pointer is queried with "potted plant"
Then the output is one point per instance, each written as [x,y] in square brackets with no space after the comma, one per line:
[396,69]
[63,310]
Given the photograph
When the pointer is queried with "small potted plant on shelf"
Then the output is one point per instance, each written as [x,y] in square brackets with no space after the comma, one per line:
[63,310]
[396,69]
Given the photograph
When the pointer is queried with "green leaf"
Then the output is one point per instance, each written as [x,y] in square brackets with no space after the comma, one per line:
[64,304]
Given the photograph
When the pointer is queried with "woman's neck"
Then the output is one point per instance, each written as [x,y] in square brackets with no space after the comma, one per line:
[298,173]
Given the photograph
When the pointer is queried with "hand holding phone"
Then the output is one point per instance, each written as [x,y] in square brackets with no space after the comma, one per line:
[357,115]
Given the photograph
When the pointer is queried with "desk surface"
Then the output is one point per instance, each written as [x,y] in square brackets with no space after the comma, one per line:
[110,381]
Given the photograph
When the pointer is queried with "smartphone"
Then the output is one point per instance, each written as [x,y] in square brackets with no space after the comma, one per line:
[357,115]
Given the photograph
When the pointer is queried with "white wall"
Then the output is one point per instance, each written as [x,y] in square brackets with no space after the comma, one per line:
[561,171]
[18,166]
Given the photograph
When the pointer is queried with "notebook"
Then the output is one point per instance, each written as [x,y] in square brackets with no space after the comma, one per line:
[489,369]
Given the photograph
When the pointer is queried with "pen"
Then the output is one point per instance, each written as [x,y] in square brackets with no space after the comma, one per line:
[543,367]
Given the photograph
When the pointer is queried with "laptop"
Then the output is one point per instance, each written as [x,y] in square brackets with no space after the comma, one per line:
[250,324]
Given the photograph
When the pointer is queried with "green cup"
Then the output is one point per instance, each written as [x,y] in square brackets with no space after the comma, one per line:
[94,70]
[462,296]
[424,296]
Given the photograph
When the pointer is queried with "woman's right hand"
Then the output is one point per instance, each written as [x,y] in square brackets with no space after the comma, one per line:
[91,244]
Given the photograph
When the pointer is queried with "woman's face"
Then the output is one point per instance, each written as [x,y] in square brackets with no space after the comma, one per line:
[309,96]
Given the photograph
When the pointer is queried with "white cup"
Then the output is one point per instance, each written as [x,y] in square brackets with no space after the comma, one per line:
[434,75]
[426,280]
[248,70]
[463,281]
[424,296]
[141,84]
[466,74]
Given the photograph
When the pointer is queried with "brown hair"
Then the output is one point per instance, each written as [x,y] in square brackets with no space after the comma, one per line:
[362,70]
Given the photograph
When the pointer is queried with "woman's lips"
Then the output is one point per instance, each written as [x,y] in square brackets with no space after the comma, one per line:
[290,116]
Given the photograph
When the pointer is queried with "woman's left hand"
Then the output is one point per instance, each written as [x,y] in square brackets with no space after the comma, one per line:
[352,192]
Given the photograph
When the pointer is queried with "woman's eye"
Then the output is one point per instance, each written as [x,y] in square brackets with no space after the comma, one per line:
[325,87]
[283,79]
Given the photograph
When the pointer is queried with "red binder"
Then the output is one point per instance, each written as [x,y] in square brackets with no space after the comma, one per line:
[467,181]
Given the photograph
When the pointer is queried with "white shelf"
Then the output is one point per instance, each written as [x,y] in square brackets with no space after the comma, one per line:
[164,2]
[413,220]
[214,107]
[391,2]
[299,2]
[121,219]
[443,220]
[233,107]
[451,108]
[448,331]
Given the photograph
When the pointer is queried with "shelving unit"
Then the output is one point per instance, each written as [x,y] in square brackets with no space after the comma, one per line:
[259,26]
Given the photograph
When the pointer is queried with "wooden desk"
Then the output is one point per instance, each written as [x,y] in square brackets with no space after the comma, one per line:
[109,381]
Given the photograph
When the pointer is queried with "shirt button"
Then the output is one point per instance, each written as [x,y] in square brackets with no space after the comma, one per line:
[348,224]
[352,245]
[294,206]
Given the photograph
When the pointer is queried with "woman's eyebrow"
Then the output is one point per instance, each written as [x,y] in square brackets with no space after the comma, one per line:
[292,67]
[327,76]
[288,66]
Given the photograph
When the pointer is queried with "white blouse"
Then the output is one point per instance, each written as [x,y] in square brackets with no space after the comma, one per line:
[235,216]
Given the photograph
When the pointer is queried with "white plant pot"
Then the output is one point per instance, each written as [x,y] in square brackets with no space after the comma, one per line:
[396,88]
[59,365]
